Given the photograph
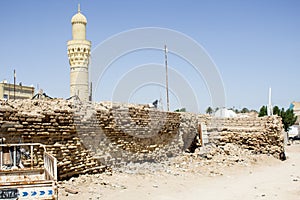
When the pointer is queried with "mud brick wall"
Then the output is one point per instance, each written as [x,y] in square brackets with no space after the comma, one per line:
[134,133]
[50,123]
[260,134]
[88,138]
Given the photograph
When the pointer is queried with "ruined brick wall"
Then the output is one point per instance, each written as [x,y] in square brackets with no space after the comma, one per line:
[50,123]
[127,133]
[85,138]
[260,134]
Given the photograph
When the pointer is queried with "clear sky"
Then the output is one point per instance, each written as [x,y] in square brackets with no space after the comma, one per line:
[254,44]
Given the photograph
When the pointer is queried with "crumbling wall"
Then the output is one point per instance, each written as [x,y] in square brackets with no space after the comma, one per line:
[86,138]
[259,135]
[132,133]
[50,123]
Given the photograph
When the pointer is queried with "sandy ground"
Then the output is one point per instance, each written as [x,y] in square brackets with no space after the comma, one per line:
[266,178]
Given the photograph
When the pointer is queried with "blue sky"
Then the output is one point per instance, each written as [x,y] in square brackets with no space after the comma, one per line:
[254,44]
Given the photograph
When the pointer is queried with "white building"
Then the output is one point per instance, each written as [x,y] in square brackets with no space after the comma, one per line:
[296,108]
[11,91]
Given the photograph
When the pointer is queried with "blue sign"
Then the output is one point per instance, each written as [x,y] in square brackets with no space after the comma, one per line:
[35,193]
[25,194]
[42,193]
[50,192]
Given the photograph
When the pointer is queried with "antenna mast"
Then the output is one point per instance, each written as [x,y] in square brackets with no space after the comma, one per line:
[167,86]
[15,77]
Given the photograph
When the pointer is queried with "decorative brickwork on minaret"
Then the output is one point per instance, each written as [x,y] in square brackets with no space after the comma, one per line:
[78,53]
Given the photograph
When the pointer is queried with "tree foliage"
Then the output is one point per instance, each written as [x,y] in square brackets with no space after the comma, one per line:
[180,110]
[276,111]
[263,111]
[209,110]
[288,117]
[245,110]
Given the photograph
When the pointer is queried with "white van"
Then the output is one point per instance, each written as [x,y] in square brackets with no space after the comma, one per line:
[294,132]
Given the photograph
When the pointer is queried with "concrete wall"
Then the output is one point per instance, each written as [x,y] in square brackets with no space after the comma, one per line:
[85,138]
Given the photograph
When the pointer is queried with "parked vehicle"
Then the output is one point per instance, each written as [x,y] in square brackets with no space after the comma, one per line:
[294,132]
[27,173]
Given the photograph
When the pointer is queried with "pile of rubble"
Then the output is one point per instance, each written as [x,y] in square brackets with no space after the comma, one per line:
[211,160]
[220,157]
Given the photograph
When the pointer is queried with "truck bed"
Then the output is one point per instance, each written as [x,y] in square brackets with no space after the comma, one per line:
[30,182]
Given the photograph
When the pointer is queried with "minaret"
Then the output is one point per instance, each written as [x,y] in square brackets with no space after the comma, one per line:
[79,53]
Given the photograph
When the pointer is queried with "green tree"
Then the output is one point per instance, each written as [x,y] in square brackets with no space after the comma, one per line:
[262,111]
[209,110]
[288,117]
[245,110]
[276,111]
[180,110]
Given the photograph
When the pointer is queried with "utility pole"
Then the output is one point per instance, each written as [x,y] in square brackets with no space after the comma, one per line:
[167,87]
[269,107]
[15,77]
[91,92]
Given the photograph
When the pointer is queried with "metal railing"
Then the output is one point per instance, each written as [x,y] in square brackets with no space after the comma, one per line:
[50,165]
[14,151]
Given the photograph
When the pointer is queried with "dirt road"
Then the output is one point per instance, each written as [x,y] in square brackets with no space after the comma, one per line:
[269,178]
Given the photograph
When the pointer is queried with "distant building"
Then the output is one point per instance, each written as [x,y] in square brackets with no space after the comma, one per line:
[296,108]
[225,113]
[21,91]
